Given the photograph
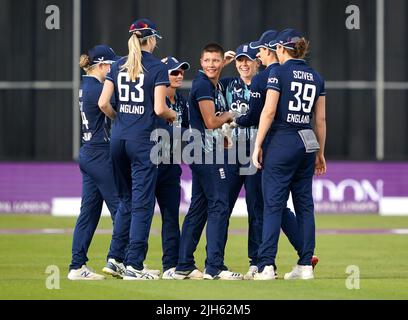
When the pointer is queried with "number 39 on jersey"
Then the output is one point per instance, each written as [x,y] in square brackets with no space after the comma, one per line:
[304,95]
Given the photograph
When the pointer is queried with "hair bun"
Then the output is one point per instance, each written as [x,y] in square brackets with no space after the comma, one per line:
[84,62]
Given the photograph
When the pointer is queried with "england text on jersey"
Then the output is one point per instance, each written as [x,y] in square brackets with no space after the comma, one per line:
[132,109]
[298,118]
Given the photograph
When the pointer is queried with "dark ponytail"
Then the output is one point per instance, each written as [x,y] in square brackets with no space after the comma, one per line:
[302,48]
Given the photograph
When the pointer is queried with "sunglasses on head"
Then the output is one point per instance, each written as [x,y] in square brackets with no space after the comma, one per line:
[176,73]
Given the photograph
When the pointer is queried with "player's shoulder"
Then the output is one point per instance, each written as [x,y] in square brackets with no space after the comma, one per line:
[90,83]
[117,65]
[91,88]
[150,61]
[318,76]
[227,82]
[258,78]
[201,80]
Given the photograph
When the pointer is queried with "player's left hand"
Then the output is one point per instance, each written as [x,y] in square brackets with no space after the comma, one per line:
[172,116]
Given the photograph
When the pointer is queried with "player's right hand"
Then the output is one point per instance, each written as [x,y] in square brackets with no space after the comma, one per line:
[320,165]
[257,157]
[228,57]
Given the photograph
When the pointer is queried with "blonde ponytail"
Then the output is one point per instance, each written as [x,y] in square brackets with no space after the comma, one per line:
[84,63]
[133,64]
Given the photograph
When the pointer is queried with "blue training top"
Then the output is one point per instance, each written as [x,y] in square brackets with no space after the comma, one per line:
[181,108]
[135,118]
[238,95]
[257,99]
[95,125]
[300,87]
[203,89]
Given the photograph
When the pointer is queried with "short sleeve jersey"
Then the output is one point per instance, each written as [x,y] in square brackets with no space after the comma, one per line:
[95,125]
[203,89]
[300,86]
[135,118]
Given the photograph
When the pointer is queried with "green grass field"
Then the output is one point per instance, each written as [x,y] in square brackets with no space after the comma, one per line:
[382,261]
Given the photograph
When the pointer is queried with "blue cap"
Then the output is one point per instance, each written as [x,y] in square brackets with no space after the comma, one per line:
[247,51]
[145,27]
[264,40]
[173,64]
[287,38]
[102,54]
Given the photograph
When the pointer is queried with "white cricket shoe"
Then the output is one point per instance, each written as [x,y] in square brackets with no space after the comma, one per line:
[268,273]
[251,272]
[224,275]
[168,274]
[300,272]
[133,274]
[192,274]
[151,271]
[114,268]
[84,273]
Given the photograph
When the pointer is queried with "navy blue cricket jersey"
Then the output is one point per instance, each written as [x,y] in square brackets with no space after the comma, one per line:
[203,89]
[300,87]
[95,125]
[257,99]
[135,118]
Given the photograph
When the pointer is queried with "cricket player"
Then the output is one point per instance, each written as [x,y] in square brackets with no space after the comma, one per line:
[168,188]
[295,94]
[210,196]
[237,92]
[269,59]
[94,160]
[139,82]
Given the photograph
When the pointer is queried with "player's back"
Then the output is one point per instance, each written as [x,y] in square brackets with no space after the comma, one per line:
[300,86]
[135,110]
[95,126]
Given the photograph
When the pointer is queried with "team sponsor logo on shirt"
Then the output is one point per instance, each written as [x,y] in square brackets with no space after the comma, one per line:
[273,80]
[240,107]
[256,95]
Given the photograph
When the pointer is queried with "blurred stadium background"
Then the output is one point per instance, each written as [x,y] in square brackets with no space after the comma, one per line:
[366,73]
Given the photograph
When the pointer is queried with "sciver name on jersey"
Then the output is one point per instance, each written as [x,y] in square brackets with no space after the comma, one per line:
[135,118]
[300,87]
[95,125]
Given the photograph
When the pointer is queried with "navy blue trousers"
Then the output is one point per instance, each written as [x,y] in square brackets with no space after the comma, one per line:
[255,208]
[209,204]
[254,202]
[168,192]
[135,179]
[287,168]
[97,186]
